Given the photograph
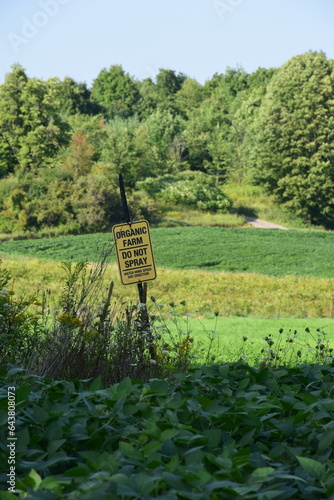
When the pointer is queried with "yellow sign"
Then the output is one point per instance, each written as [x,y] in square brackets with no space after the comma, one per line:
[134,252]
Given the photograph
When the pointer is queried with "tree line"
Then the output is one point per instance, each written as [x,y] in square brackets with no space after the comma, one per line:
[175,141]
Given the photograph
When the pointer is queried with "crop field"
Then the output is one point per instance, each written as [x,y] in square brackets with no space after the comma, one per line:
[275,273]
[221,432]
[270,252]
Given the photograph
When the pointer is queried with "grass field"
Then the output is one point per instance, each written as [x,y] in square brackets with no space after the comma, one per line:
[271,252]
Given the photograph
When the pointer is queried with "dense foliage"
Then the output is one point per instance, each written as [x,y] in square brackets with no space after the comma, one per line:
[63,144]
[224,431]
[295,131]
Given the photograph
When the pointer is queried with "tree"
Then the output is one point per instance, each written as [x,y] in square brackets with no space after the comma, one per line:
[190,96]
[161,95]
[32,131]
[243,113]
[228,84]
[294,151]
[206,137]
[116,92]
[168,83]
[165,148]
[11,120]
[149,98]
[120,153]
[80,156]
[74,97]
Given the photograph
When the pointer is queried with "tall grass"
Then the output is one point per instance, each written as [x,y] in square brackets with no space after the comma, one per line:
[89,335]
[239,295]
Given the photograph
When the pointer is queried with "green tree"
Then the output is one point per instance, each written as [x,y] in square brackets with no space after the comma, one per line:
[168,82]
[92,127]
[74,97]
[206,137]
[32,131]
[294,153]
[190,96]
[160,95]
[243,114]
[227,84]
[116,92]
[11,120]
[120,153]
[165,147]
[149,98]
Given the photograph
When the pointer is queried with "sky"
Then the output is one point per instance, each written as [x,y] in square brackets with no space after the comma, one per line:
[79,38]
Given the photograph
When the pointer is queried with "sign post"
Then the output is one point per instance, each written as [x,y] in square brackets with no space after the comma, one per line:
[135,258]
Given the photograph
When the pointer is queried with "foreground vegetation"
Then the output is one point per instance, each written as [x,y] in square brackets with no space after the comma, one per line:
[223,431]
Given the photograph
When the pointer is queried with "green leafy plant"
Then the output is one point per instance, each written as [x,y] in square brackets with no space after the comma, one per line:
[222,431]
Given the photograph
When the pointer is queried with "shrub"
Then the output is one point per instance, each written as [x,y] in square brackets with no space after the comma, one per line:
[190,189]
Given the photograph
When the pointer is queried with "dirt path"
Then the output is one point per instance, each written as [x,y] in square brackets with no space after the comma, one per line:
[263,224]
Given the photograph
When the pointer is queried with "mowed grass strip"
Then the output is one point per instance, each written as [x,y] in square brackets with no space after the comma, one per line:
[266,251]
[233,336]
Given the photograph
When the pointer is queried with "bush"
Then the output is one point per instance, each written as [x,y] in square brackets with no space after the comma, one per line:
[189,189]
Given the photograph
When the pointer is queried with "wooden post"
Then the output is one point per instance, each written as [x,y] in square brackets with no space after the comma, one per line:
[142,287]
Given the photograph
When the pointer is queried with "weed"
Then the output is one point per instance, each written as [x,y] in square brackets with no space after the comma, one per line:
[295,348]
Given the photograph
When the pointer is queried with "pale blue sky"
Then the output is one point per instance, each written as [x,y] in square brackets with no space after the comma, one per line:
[78,38]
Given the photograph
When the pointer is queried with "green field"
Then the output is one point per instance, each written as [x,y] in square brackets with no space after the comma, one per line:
[230,330]
[271,252]
[262,280]
[232,338]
